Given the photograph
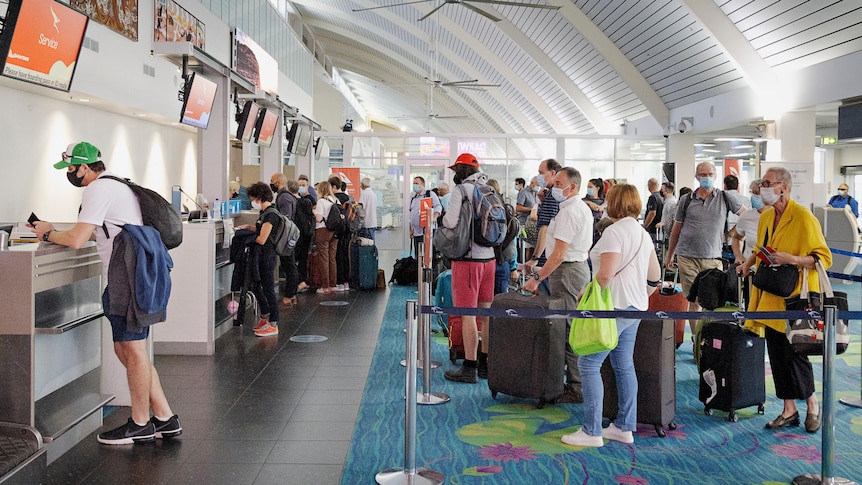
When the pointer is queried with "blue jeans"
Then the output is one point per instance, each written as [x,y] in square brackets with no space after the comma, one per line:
[627,383]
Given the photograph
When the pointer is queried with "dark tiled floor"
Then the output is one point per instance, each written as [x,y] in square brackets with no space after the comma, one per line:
[259,411]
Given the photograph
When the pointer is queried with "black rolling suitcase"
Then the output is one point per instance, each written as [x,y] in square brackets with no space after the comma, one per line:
[732,372]
[655,366]
[526,356]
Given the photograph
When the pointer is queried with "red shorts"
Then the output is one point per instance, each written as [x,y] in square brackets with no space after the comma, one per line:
[472,283]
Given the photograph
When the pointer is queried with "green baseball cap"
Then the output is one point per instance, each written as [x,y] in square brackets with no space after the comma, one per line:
[79,154]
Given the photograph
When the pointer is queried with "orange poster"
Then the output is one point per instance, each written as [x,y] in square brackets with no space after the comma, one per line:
[349,176]
[45,44]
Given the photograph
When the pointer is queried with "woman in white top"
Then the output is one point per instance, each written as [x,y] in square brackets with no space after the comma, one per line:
[327,245]
[744,233]
[624,261]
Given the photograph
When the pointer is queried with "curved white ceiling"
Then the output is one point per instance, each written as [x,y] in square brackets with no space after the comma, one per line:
[582,69]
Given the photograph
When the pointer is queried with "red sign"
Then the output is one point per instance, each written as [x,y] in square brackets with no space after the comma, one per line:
[425,203]
[350,176]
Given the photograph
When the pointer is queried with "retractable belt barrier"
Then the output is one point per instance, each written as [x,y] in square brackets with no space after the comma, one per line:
[842,276]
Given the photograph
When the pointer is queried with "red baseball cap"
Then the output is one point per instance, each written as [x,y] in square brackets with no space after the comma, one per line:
[465,159]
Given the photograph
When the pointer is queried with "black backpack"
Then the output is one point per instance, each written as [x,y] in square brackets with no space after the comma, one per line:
[303,217]
[156,212]
[335,219]
[405,272]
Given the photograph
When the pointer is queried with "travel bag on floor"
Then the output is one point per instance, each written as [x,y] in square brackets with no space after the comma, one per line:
[732,374]
[363,266]
[669,298]
[655,367]
[526,356]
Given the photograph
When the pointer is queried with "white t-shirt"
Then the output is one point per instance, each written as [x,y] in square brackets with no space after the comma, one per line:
[113,203]
[746,227]
[630,240]
[322,209]
[368,199]
[573,224]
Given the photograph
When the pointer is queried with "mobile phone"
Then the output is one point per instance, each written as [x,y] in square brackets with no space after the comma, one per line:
[33,219]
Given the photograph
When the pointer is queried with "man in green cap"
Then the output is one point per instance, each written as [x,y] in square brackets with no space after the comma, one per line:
[106,206]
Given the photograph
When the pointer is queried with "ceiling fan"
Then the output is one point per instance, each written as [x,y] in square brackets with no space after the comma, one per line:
[467,4]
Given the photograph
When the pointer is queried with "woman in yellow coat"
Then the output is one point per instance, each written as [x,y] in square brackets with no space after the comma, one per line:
[795,235]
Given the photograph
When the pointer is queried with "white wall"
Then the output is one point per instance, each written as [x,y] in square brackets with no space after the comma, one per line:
[154,155]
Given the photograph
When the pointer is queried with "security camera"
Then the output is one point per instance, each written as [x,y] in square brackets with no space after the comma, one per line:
[682,127]
[666,132]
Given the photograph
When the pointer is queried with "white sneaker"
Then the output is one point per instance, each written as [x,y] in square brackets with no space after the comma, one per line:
[581,438]
[341,287]
[616,434]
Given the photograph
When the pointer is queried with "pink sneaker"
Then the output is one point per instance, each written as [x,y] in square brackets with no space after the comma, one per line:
[262,323]
[267,331]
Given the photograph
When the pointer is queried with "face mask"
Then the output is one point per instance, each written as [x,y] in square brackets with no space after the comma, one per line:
[74,179]
[768,195]
[302,190]
[273,187]
[557,194]
[756,202]
[255,204]
[541,181]
[535,188]
[517,189]
[415,187]
[591,191]
[706,183]
[842,192]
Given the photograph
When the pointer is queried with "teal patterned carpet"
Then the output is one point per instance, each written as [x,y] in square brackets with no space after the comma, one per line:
[475,439]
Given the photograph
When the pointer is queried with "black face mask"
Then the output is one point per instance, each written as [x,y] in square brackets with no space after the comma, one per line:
[273,187]
[457,179]
[74,179]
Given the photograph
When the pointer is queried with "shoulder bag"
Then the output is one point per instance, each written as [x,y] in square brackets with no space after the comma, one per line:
[780,280]
[806,335]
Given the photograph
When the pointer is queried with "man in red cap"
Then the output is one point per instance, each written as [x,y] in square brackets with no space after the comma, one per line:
[472,275]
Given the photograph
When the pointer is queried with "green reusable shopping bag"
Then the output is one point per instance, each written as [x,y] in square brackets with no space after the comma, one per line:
[592,335]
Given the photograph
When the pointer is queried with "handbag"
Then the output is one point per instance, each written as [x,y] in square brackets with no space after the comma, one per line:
[780,280]
[806,335]
[593,335]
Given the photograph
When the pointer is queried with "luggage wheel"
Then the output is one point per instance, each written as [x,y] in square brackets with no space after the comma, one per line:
[733,417]
[678,345]
[659,430]
[671,425]
[760,409]
[494,394]
[707,411]
[541,404]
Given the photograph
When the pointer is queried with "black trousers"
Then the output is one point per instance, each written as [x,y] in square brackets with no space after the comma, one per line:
[264,290]
[791,372]
[342,260]
[288,268]
[303,246]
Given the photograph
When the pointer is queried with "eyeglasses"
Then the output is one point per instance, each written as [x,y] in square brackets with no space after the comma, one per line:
[766,183]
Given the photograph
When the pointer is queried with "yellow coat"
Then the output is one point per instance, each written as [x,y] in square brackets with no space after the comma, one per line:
[798,233]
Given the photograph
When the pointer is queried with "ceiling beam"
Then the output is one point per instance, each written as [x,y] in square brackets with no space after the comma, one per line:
[612,54]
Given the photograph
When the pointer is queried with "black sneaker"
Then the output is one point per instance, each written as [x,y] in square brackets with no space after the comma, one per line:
[167,429]
[464,374]
[129,434]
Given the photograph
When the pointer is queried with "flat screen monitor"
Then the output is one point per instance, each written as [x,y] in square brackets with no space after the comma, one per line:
[41,42]
[850,121]
[303,139]
[198,101]
[246,121]
[265,130]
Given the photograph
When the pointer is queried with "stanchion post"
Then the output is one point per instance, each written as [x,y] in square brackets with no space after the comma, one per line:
[410,474]
[855,402]
[827,409]
[428,397]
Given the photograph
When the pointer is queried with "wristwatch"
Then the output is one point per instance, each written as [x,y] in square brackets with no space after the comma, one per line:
[47,233]
[534,258]
[537,277]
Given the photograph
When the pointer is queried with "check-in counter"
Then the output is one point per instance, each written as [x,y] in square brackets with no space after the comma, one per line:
[200,292]
[50,342]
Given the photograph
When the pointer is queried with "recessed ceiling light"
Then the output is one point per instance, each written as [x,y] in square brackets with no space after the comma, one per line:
[704,144]
[733,139]
[84,100]
[744,146]
[707,150]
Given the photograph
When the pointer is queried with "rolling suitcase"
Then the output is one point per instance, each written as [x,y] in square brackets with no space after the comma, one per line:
[732,374]
[655,366]
[669,298]
[526,356]
[363,266]
[451,324]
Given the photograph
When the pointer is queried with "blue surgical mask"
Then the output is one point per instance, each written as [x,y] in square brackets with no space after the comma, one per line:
[756,202]
[541,182]
[415,188]
[557,194]
[303,190]
[535,188]
[706,183]
[591,191]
